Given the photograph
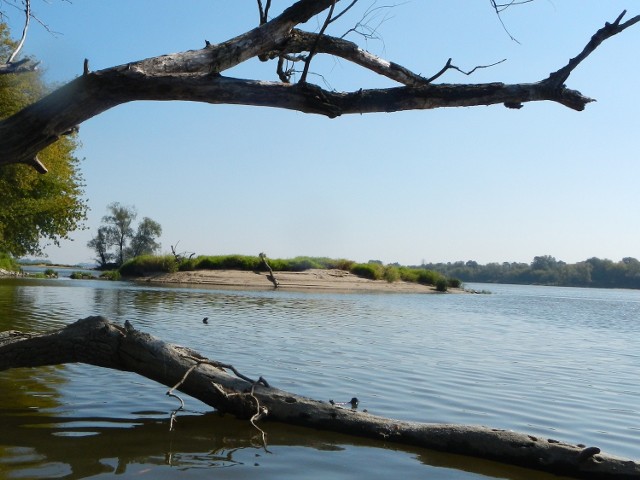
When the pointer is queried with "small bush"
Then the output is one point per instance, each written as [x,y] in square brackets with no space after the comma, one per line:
[187,265]
[454,283]
[391,274]
[343,264]
[50,273]
[112,275]
[409,274]
[372,271]
[81,276]
[428,277]
[441,284]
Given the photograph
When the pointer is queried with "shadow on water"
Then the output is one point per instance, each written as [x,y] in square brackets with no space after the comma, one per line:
[89,447]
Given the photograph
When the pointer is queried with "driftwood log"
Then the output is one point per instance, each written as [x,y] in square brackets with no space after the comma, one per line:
[96,341]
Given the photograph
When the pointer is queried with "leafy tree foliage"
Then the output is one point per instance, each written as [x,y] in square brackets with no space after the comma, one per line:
[117,231]
[546,270]
[144,241]
[36,207]
[100,244]
[119,228]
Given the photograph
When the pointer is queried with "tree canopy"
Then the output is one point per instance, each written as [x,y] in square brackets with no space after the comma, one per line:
[116,240]
[546,270]
[36,207]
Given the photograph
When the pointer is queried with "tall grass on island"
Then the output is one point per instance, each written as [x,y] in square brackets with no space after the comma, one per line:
[373,270]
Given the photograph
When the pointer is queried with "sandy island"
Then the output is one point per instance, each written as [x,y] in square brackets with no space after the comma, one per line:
[309,280]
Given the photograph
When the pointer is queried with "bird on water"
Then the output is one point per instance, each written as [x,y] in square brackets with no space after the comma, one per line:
[205,320]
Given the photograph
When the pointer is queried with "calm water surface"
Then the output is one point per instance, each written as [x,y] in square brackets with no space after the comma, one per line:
[561,363]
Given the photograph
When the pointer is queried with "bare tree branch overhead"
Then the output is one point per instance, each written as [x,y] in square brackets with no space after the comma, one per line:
[197,75]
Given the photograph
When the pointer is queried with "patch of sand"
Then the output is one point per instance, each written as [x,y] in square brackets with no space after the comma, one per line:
[309,280]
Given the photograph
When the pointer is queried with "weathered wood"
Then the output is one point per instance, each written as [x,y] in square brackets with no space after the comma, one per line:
[96,341]
[196,75]
[270,276]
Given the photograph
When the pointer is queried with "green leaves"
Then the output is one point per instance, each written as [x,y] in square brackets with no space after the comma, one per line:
[35,208]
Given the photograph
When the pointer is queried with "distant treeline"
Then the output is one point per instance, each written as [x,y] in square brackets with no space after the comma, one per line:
[546,270]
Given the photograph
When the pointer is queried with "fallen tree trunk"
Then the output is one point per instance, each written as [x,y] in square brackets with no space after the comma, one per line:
[96,341]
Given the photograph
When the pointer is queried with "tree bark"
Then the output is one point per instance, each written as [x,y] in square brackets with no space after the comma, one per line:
[96,341]
[196,75]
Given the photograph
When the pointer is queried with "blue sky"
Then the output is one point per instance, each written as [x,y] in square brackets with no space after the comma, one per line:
[484,183]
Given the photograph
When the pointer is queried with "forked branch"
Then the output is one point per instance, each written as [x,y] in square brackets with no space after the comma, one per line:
[196,75]
[557,78]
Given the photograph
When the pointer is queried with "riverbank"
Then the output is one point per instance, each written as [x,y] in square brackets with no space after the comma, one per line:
[9,273]
[308,280]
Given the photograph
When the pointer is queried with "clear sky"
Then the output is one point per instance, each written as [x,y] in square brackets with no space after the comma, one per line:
[485,183]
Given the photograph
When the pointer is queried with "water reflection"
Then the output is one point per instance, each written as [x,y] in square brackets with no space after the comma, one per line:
[205,442]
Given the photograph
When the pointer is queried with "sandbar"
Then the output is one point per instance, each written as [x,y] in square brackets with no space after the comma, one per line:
[314,280]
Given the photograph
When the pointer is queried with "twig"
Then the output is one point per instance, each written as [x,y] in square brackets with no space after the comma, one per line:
[312,52]
[171,394]
[264,12]
[203,361]
[260,411]
[346,9]
[449,66]
[500,7]
[27,11]
[363,27]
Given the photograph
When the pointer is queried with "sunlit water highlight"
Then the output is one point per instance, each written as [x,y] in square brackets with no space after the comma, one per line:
[555,362]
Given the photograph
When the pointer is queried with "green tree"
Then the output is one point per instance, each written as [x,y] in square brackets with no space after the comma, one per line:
[119,228]
[36,209]
[144,241]
[100,244]
[117,231]
[544,262]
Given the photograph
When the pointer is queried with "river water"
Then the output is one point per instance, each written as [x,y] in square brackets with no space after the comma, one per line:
[559,363]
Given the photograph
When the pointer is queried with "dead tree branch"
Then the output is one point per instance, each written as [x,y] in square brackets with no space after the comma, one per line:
[196,75]
[344,11]
[26,64]
[27,14]
[270,276]
[95,341]
[500,7]
[312,50]
[363,26]
[264,11]
[557,78]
